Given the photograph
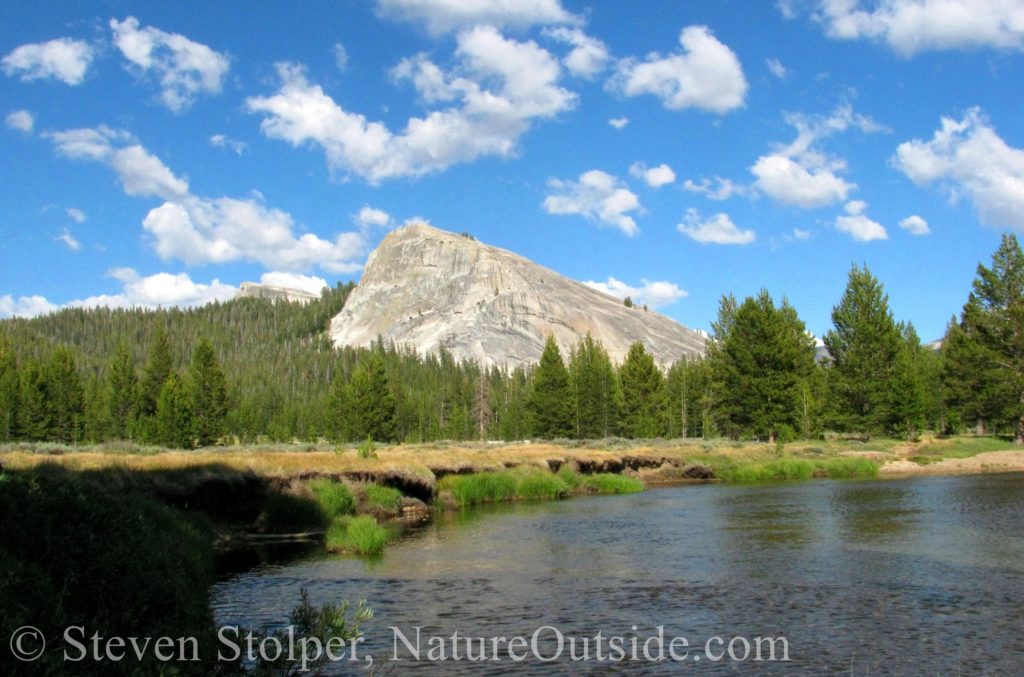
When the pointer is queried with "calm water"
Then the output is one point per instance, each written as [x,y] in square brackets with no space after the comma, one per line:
[919,576]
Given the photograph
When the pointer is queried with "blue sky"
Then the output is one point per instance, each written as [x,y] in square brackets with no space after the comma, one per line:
[163,153]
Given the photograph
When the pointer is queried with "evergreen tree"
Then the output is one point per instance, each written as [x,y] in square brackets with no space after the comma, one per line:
[643,394]
[65,398]
[122,394]
[482,411]
[971,388]
[864,346]
[209,395]
[762,366]
[173,421]
[8,393]
[158,369]
[686,387]
[991,338]
[549,403]
[371,404]
[594,388]
[339,416]
[908,397]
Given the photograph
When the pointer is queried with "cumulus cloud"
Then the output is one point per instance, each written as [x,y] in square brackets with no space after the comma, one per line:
[915,225]
[719,229]
[24,306]
[69,240]
[309,283]
[75,214]
[21,120]
[706,74]
[798,173]
[597,196]
[655,177]
[62,59]
[776,68]
[222,141]
[200,230]
[494,93]
[967,157]
[589,56]
[370,216]
[619,123]
[721,189]
[443,16]
[653,294]
[858,225]
[913,26]
[184,69]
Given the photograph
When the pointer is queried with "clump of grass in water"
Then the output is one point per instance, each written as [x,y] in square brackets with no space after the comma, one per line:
[334,497]
[485,487]
[600,483]
[382,497]
[540,486]
[361,535]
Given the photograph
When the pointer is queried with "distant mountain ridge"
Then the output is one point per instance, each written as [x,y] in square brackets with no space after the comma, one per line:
[267,291]
[427,288]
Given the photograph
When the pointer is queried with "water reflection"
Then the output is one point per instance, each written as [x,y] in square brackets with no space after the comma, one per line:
[909,576]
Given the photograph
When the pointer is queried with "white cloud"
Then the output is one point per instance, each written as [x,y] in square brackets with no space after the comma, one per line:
[157,291]
[69,240]
[597,196]
[184,68]
[222,141]
[655,177]
[76,215]
[722,190]
[443,16]
[912,26]
[589,56]
[968,157]
[776,68]
[705,75]
[63,59]
[800,234]
[21,120]
[310,283]
[496,91]
[719,229]
[858,225]
[24,306]
[915,225]
[370,216]
[653,294]
[619,123]
[340,56]
[200,230]
[798,173]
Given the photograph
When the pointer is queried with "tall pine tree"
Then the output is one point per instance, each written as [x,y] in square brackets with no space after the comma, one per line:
[549,403]
[209,395]
[9,397]
[65,397]
[371,404]
[122,394]
[173,420]
[594,388]
[643,394]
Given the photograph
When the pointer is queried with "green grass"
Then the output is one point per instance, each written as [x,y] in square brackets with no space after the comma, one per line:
[607,483]
[361,535]
[540,486]
[485,487]
[964,447]
[796,469]
[382,497]
[284,513]
[335,498]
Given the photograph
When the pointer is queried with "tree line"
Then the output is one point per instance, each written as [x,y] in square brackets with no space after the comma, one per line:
[252,370]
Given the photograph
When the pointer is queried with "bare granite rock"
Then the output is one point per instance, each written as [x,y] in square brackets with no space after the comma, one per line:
[426,288]
[266,291]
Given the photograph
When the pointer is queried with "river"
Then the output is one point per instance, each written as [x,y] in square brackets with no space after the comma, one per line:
[909,576]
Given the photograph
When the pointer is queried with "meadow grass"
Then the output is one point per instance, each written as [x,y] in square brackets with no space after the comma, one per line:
[485,487]
[335,498]
[962,447]
[382,497]
[784,469]
[607,483]
[540,486]
[361,535]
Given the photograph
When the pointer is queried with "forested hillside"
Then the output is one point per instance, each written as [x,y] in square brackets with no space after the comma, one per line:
[252,370]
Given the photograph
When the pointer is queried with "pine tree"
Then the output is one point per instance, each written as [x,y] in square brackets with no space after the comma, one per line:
[8,393]
[594,390]
[371,404]
[33,404]
[122,394]
[173,421]
[908,397]
[158,369]
[549,402]
[762,366]
[864,347]
[643,394]
[483,414]
[209,395]
[970,387]
[992,327]
[685,387]
[65,397]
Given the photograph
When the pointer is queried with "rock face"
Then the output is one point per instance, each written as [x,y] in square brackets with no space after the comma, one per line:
[428,288]
[266,291]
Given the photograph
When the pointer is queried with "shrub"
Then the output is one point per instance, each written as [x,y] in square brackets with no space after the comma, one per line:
[367,449]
